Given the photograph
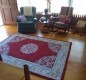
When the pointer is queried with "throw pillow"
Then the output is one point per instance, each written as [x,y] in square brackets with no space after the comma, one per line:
[21,18]
[81,23]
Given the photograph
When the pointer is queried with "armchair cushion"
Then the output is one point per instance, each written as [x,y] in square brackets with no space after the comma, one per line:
[21,18]
[81,24]
[27,22]
[67,21]
[27,11]
[62,18]
[59,23]
[53,20]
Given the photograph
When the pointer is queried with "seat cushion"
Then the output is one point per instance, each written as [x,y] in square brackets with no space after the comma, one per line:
[29,22]
[59,23]
[22,18]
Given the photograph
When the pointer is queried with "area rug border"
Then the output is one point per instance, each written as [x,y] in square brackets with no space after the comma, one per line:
[65,66]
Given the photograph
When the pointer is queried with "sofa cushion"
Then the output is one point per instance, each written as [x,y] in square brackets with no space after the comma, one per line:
[22,18]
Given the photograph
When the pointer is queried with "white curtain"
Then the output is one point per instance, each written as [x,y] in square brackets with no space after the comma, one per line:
[42,4]
[21,3]
[56,5]
[39,4]
[79,7]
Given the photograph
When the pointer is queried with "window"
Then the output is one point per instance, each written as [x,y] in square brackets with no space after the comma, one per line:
[21,3]
[56,5]
[39,4]
[79,7]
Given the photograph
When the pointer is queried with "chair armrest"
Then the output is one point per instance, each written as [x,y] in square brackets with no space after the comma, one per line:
[18,20]
[21,18]
[52,20]
[55,19]
[35,19]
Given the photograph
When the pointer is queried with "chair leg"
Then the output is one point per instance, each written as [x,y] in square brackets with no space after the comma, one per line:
[0,58]
[26,72]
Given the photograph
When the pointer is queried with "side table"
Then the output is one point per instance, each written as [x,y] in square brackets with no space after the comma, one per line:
[45,20]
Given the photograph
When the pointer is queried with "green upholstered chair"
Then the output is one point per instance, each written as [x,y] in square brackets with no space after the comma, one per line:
[27,23]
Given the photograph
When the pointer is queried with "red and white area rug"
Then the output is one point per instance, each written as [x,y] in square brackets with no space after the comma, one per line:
[45,57]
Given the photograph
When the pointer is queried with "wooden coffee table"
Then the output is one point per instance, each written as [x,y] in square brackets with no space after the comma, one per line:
[9,72]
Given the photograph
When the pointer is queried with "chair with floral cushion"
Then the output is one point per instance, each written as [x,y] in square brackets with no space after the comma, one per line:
[80,27]
[51,23]
[63,20]
[63,23]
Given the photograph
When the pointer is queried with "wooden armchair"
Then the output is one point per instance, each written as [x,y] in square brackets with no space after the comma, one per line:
[51,23]
[62,21]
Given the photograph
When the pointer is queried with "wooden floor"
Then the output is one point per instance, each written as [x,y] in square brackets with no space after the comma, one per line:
[76,69]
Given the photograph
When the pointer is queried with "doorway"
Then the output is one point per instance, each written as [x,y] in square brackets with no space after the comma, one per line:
[9,11]
[1,21]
